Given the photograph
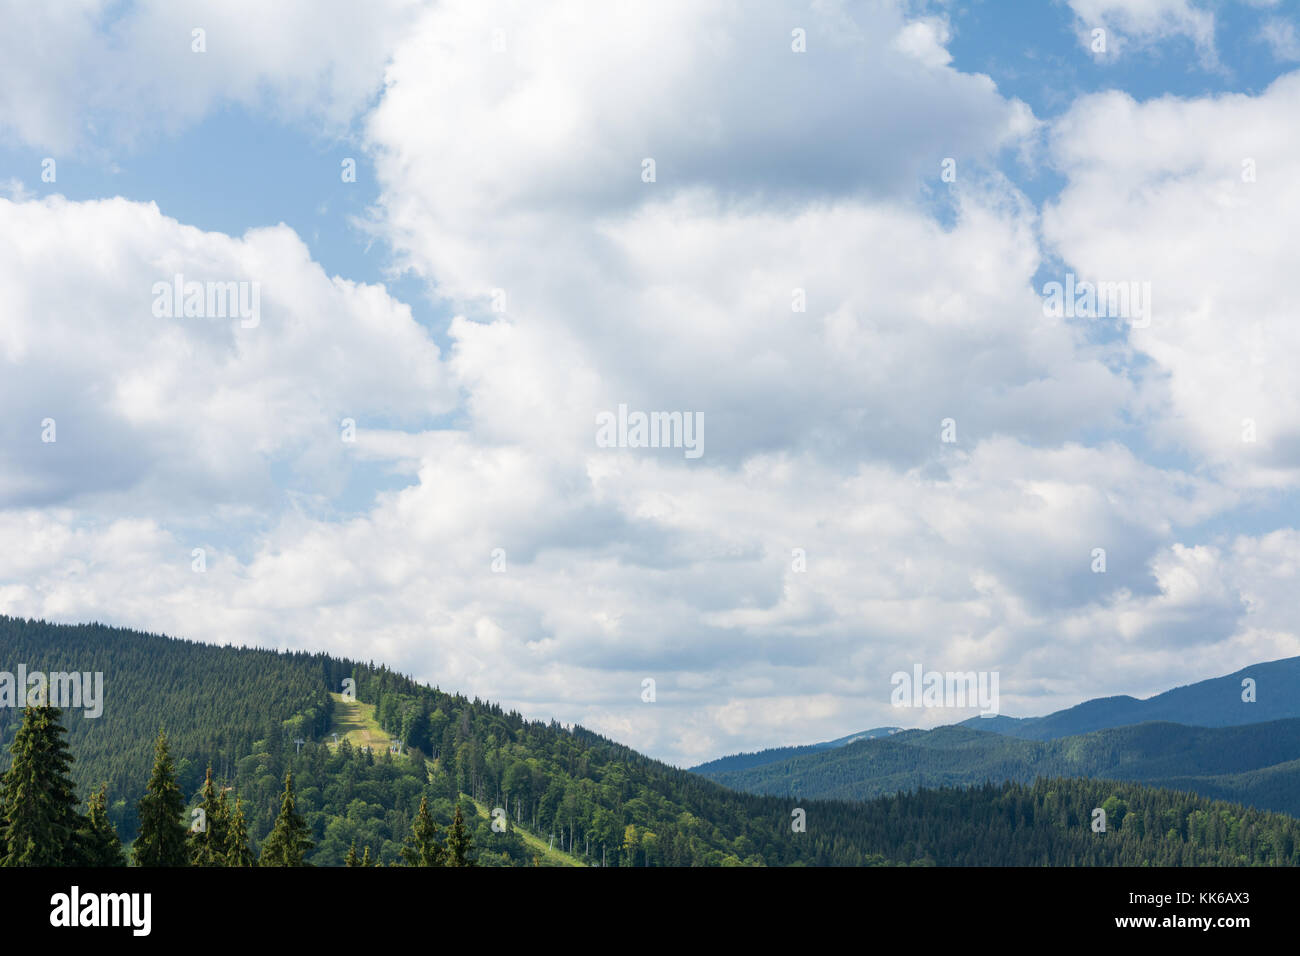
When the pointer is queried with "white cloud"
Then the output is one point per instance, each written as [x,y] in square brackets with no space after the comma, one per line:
[494,154]
[1137,24]
[187,413]
[95,72]
[926,40]
[1161,192]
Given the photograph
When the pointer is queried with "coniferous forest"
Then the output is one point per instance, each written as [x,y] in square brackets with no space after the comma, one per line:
[208,756]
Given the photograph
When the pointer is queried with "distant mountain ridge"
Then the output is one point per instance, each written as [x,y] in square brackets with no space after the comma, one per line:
[1216,702]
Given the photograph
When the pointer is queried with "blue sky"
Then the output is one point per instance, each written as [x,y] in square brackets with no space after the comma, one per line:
[519,170]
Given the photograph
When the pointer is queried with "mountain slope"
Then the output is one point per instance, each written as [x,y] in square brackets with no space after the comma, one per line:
[214,702]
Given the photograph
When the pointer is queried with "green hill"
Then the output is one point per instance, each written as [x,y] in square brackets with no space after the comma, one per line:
[214,702]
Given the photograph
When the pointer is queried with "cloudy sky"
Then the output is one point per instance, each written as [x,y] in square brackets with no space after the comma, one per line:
[827,230]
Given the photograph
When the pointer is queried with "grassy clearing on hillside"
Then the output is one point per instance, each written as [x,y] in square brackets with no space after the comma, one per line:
[355,722]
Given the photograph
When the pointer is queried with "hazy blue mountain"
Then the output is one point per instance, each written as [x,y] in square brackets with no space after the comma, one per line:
[1257,764]
[1209,703]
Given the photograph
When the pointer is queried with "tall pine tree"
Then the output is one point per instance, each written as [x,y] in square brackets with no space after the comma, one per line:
[289,841]
[238,852]
[42,825]
[458,842]
[208,837]
[102,845]
[162,839]
[422,847]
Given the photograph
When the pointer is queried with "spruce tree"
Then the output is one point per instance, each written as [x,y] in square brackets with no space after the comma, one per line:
[365,859]
[289,841]
[238,852]
[208,842]
[422,847]
[162,839]
[351,859]
[458,842]
[102,845]
[42,825]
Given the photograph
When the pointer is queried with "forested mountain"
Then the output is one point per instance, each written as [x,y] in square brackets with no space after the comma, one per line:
[1216,702]
[1254,765]
[266,722]
[214,702]
[744,761]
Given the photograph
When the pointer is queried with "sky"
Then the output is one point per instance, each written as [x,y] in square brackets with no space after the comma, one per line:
[826,233]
